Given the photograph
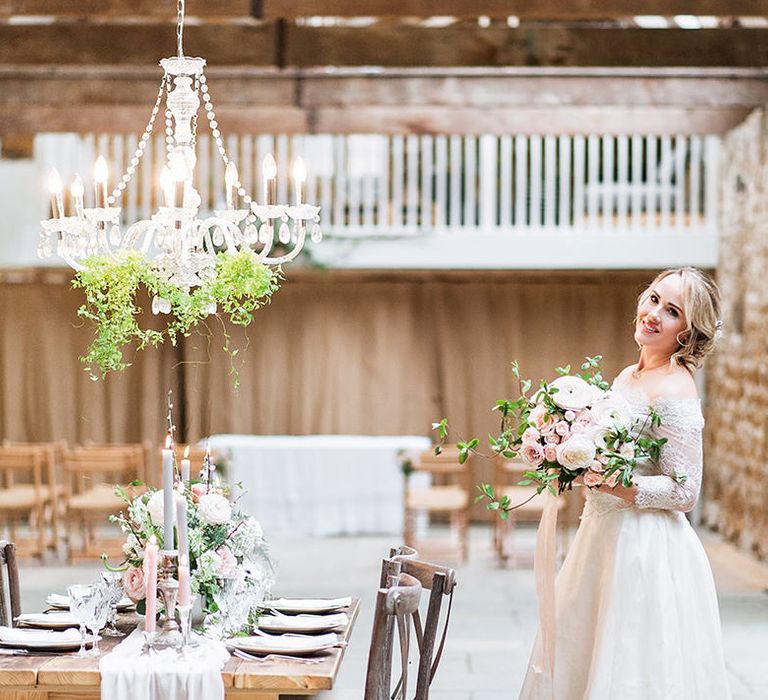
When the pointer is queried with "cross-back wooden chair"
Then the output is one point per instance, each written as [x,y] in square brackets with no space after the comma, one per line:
[440,581]
[25,493]
[10,596]
[91,473]
[449,495]
[395,604]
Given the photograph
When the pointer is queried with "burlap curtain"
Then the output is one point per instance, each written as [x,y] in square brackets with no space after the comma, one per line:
[335,352]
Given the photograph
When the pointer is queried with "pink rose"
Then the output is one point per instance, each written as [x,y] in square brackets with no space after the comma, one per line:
[570,415]
[531,435]
[532,454]
[550,453]
[562,428]
[597,466]
[603,459]
[613,479]
[584,417]
[592,479]
[228,563]
[552,439]
[197,491]
[541,419]
[133,583]
[577,428]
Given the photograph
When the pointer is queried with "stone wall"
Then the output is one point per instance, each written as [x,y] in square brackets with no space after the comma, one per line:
[736,474]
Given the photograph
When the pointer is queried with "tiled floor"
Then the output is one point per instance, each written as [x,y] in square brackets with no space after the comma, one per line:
[494,615]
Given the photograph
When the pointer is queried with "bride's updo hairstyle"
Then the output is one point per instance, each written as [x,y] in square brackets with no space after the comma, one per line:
[701,306]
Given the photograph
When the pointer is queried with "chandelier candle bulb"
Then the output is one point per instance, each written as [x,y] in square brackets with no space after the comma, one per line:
[185,467]
[166,186]
[57,199]
[150,584]
[231,178]
[300,179]
[78,191]
[100,176]
[269,168]
[168,496]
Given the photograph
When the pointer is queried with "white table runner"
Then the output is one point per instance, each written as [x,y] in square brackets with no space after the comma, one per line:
[322,485]
[128,675]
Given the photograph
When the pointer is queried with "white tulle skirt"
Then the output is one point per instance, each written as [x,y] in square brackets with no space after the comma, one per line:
[637,614]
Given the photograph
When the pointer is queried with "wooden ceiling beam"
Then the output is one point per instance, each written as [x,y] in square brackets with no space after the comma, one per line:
[525,9]
[393,44]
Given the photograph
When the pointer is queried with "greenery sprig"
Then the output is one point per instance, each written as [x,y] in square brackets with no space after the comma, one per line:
[240,286]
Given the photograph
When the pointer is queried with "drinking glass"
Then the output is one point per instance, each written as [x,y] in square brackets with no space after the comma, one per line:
[102,602]
[113,582]
[82,598]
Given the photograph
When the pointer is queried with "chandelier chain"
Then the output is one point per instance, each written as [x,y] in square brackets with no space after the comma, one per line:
[180,27]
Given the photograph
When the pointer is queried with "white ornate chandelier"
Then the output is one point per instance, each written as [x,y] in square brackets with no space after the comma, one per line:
[183,247]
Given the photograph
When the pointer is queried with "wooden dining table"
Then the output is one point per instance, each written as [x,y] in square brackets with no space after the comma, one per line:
[49,676]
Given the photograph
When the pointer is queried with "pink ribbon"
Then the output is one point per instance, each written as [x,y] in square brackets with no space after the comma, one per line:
[543,661]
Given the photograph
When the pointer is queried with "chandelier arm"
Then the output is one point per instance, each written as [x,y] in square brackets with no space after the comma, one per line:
[296,249]
[227,228]
[180,27]
[72,262]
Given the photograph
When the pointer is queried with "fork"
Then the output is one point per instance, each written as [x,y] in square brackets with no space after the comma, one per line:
[273,657]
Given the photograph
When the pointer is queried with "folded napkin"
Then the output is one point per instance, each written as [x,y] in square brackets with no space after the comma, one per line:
[285,643]
[126,674]
[308,604]
[305,623]
[52,619]
[21,636]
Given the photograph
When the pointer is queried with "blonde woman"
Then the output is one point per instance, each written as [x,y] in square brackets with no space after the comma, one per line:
[636,610]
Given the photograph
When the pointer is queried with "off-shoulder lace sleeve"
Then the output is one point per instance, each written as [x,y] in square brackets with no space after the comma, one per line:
[677,487]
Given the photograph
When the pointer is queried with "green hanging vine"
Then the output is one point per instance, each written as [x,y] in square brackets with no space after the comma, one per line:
[241,285]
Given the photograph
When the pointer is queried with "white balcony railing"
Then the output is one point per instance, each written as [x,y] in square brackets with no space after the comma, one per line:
[598,190]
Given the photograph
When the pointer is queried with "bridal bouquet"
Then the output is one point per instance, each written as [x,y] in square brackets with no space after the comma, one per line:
[574,426]
[223,542]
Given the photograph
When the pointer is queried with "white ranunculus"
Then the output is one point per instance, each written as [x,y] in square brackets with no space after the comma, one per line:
[573,393]
[214,509]
[577,452]
[600,438]
[612,412]
[156,508]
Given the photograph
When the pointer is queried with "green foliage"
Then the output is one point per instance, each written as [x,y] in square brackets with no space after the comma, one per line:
[240,286]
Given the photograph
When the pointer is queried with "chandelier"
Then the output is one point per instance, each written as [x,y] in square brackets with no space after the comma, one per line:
[183,248]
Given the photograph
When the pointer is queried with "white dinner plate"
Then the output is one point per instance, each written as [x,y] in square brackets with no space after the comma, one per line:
[303,623]
[56,600]
[51,621]
[285,645]
[308,605]
[34,639]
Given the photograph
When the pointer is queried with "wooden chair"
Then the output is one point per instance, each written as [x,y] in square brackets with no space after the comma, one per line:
[25,495]
[395,604]
[91,474]
[440,581]
[449,495]
[10,596]
[507,475]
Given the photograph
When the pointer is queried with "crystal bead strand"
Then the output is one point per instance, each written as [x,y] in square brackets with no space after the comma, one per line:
[131,169]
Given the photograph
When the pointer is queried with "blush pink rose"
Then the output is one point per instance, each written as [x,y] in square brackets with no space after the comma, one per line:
[570,416]
[550,453]
[541,419]
[597,466]
[577,428]
[531,435]
[562,428]
[592,479]
[552,439]
[532,454]
[228,562]
[197,491]
[133,583]
[613,479]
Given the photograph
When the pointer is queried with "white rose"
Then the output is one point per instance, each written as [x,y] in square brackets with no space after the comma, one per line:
[600,438]
[577,452]
[612,411]
[214,509]
[156,508]
[573,393]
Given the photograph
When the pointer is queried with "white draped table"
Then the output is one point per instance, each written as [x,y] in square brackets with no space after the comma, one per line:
[322,484]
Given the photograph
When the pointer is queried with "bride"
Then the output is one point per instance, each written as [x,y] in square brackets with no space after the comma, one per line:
[636,610]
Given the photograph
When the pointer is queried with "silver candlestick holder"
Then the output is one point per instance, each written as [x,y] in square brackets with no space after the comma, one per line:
[169,634]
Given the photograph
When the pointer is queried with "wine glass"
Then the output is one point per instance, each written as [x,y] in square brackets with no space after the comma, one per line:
[99,611]
[113,582]
[82,599]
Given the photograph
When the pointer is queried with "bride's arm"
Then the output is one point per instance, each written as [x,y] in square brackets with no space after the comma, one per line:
[677,487]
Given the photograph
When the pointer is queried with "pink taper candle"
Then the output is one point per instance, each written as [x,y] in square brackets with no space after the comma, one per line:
[150,584]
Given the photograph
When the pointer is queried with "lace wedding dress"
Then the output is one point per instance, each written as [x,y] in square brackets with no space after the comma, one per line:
[636,610]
